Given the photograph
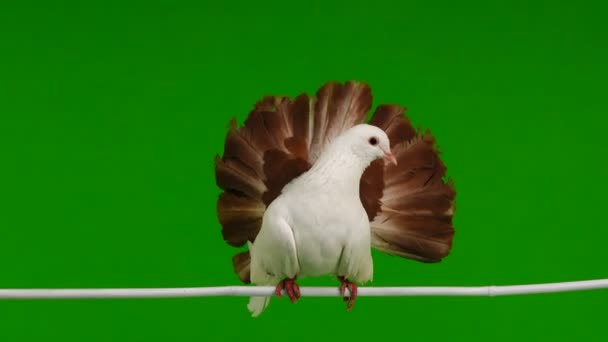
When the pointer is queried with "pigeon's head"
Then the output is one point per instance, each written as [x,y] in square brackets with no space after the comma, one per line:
[369,143]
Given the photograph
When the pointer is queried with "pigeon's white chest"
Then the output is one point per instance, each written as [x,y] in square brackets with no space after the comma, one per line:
[324,226]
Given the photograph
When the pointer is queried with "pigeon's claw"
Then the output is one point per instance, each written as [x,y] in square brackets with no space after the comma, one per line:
[352,288]
[290,286]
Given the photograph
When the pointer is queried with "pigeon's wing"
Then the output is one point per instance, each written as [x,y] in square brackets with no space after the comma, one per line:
[280,139]
[413,204]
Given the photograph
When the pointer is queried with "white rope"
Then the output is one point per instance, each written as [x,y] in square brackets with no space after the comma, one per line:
[246,291]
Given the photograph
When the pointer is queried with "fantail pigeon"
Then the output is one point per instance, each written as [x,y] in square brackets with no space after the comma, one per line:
[311,189]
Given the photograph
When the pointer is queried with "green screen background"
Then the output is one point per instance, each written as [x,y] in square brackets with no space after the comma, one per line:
[111,115]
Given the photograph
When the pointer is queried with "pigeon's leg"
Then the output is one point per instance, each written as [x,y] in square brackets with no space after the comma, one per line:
[352,288]
[290,286]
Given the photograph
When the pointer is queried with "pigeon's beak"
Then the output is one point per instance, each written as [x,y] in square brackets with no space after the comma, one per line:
[389,158]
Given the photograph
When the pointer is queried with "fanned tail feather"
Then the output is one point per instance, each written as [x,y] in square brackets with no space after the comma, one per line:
[417,206]
[338,107]
[410,207]
[240,216]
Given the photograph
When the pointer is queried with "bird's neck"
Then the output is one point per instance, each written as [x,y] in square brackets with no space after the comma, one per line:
[338,170]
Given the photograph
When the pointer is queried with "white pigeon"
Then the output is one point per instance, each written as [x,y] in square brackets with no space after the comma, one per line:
[304,186]
[317,225]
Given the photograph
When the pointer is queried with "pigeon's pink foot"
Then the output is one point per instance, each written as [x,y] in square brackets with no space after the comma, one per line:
[352,288]
[290,286]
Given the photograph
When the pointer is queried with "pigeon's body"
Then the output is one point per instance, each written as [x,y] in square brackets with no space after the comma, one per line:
[313,232]
[324,221]
[303,188]
[317,226]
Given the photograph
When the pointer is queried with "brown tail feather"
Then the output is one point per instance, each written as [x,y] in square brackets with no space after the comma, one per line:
[415,218]
[427,237]
[240,217]
[232,174]
[338,107]
[257,131]
[301,114]
[240,263]
[370,188]
[238,147]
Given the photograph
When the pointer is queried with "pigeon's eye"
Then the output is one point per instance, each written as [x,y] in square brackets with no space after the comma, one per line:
[373,141]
